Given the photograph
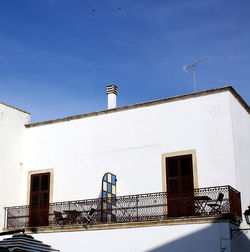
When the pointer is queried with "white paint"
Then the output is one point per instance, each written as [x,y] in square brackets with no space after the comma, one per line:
[188,238]
[130,144]
[241,141]
[111,101]
[12,123]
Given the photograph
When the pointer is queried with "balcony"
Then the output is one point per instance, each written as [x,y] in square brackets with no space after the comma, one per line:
[222,202]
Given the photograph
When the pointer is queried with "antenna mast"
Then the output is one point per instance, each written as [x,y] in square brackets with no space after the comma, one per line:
[193,67]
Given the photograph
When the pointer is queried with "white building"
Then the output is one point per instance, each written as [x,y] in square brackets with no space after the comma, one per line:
[183,161]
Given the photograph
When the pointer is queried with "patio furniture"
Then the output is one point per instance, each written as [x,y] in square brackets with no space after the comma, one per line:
[73,216]
[201,203]
[59,219]
[216,207]
[89,216]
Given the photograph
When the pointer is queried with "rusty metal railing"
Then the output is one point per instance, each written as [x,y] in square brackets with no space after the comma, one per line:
[201,202]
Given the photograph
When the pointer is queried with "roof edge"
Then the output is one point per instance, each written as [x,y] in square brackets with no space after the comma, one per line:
[240,99]
[20,110]
[145,104]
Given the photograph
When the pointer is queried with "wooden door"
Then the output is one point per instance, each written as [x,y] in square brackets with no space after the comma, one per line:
[39,200]
[180,188]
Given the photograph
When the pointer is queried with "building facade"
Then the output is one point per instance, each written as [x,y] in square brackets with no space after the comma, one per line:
[165,175]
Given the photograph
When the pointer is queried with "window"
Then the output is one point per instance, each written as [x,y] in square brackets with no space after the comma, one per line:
[108,196]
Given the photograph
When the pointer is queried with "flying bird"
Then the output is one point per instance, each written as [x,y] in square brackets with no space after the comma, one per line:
[93,10]
[119,8]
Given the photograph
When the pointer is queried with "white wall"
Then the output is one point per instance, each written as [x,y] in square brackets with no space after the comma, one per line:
[189,238]
[241,139]
[130,144]
[12,123]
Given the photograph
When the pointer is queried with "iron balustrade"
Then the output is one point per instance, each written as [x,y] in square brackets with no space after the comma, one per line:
[131,208]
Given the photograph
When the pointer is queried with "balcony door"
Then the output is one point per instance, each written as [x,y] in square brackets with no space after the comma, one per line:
[180,186]
[39,200]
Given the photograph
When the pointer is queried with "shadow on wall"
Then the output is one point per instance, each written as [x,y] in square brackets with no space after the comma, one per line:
[210,239]
[240,243]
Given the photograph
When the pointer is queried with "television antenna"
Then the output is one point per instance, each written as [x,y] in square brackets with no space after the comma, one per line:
[193,67]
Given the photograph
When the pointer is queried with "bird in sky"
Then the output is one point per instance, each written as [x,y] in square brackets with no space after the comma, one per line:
[119,8]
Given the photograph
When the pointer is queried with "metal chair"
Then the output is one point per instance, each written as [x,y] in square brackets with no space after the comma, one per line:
[59,219]
[216,207]
[89,216]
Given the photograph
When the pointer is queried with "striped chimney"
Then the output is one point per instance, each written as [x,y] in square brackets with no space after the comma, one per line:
[111,91]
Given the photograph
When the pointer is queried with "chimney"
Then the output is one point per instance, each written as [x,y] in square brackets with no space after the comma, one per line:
[111,91]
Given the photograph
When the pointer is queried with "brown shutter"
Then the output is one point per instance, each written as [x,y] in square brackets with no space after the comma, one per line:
[179,171]
[39,199]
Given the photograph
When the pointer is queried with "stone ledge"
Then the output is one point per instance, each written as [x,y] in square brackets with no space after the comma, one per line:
[152,223]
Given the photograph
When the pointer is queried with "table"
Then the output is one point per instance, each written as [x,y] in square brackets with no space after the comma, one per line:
[72,216]
[201,202]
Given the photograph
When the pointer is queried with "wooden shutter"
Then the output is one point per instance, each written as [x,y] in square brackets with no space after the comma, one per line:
[39,199]
[180,188]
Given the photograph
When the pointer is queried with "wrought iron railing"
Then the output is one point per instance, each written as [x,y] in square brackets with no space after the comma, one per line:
[221,201]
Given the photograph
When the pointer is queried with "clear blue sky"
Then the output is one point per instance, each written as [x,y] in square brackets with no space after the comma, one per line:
[57,56]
